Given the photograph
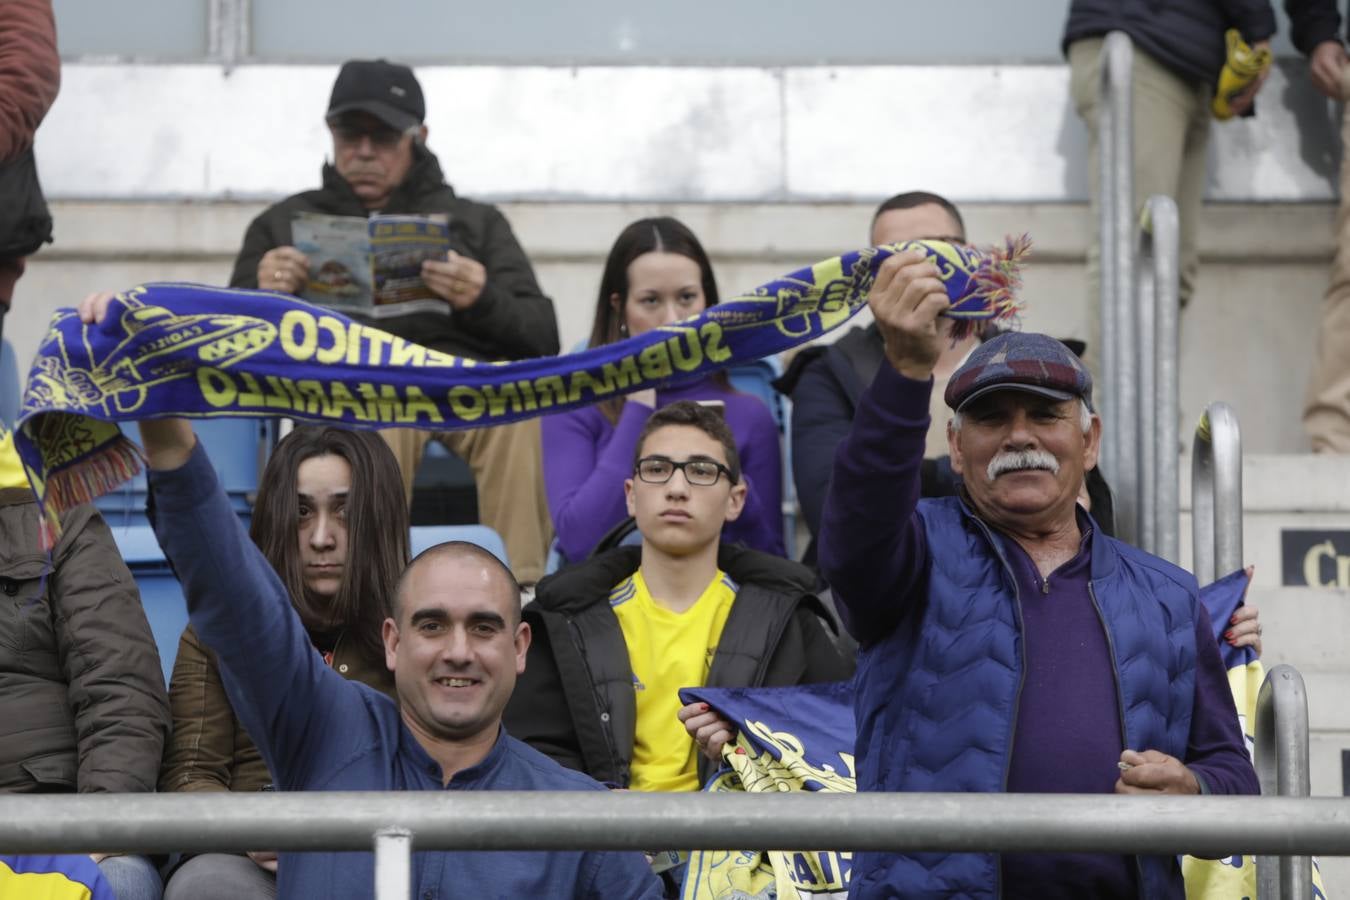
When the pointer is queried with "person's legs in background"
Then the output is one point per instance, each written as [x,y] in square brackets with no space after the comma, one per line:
[220,876]
[1171,136]
[407,445]
[508,470]
[1326,406]
[132,877]
[508,466]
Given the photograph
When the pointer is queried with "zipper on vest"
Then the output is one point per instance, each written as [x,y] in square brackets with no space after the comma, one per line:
[1021,681]
[1120,707]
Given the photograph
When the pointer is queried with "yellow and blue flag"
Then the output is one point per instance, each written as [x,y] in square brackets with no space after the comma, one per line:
[1233,877]
[66,877]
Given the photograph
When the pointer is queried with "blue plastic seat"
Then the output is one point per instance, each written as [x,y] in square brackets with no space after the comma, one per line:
[426,536]
[756,378]
[236,448]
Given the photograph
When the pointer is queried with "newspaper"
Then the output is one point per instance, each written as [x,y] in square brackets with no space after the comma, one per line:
[371,267]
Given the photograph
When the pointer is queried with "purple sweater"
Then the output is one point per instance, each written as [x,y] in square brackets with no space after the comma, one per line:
[1067,735]
[586,460]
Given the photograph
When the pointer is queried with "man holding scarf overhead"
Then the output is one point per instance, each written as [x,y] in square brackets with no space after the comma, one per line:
[1006,644]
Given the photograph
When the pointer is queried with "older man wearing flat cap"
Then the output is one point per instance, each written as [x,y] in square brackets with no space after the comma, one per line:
[494,307]
[1008,645]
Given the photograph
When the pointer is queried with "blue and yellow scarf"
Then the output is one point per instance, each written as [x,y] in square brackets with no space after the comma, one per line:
[196,351]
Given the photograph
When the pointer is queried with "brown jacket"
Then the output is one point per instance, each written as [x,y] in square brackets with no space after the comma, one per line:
[82,701]
[210,750]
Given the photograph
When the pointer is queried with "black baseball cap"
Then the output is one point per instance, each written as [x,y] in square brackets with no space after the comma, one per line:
[386,90]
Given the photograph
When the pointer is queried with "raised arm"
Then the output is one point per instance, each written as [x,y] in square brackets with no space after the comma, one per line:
[871,549]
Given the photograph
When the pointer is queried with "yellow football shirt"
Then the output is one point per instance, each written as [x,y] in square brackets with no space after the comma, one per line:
[11,470]
[668,651]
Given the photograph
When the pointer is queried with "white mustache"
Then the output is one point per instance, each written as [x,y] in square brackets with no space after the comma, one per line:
[1019,460]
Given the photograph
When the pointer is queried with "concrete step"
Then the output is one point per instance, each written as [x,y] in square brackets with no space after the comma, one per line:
[1307,628]
[1283,495]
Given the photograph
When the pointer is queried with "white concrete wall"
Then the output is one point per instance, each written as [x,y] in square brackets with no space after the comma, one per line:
[975,133]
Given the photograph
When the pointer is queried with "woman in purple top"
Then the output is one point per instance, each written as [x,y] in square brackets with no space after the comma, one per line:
[657,273]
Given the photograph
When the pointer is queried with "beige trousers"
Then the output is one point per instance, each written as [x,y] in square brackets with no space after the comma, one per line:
[1326,407]
[1171,135]
[507,465]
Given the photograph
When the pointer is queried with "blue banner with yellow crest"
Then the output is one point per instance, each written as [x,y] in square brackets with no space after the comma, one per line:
[197,351]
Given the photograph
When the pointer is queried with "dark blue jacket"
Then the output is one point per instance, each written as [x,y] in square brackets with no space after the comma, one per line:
[931,598]
[1312,22]
[320,732]
[1186,36]
[937,697]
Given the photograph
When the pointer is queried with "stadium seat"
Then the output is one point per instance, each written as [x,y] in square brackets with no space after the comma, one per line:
[161,595]
[238,449]
[444,490]
[756,378]
[425,536]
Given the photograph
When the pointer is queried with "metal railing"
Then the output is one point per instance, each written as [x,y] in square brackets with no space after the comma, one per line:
[1159,283]
[229,31]
[1140,288]
[1281,757]
[395,823]
[1115,191]
[1216,494]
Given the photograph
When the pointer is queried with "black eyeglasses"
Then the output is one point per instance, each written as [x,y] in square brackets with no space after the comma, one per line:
[382,138]
[702,472]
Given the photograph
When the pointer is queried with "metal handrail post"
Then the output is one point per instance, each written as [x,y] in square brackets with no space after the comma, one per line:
[1159,382]
[1216,494]
[1145,311]
[1119,396]
[393,864]
[1281,756]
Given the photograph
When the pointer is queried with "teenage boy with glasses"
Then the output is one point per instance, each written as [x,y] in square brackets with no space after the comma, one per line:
[617,636]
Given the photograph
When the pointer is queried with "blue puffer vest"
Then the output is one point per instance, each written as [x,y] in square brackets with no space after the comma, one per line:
[936,699]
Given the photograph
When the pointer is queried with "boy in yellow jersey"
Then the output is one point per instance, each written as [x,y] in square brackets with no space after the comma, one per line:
[617,636]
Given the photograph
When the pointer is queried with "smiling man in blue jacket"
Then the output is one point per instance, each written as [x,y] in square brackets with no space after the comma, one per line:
[455,643]
[1006,644]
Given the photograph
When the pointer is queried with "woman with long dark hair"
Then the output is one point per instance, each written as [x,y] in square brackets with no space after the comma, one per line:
[331,519]
[657,273]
